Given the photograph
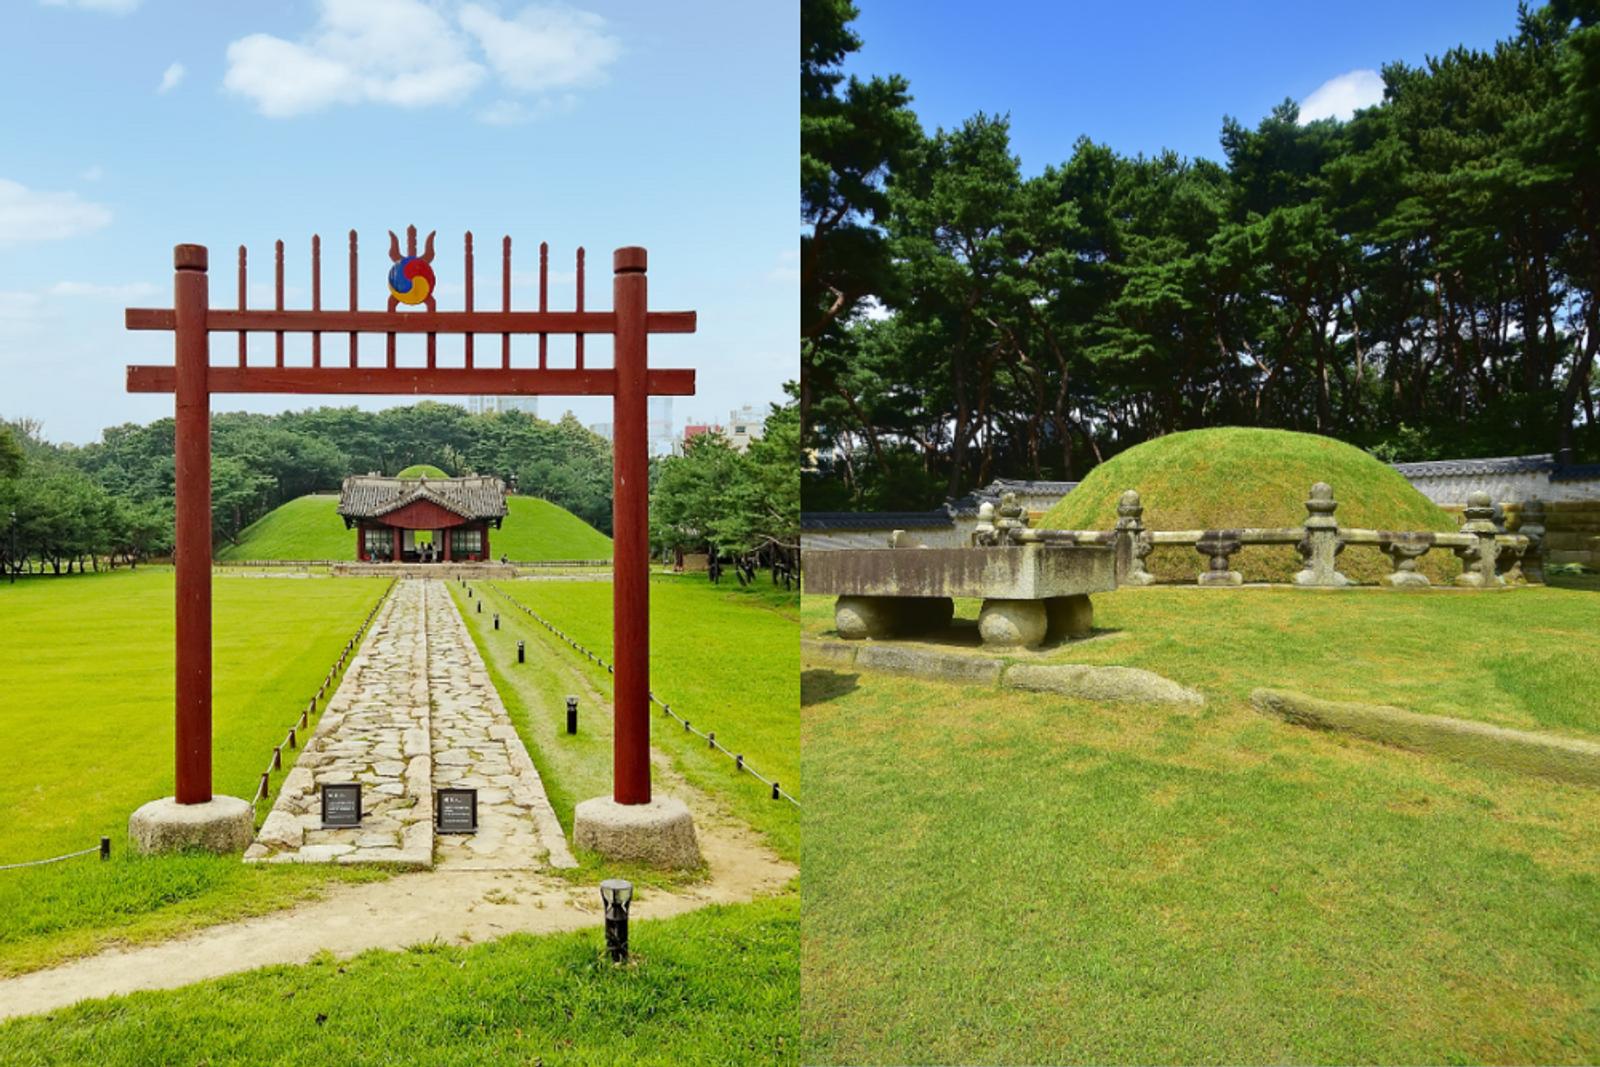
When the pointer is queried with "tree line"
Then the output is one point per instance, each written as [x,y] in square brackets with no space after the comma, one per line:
[110,503]
[1422,280]
[745,505]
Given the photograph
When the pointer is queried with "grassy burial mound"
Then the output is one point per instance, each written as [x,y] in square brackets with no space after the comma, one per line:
[310,528]
[1232,477]
[422,470]
[307,527]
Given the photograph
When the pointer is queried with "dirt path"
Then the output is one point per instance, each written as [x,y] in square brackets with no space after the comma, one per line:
[450,906]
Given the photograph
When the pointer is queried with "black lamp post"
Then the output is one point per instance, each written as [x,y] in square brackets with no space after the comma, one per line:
[617,894]
[572,715]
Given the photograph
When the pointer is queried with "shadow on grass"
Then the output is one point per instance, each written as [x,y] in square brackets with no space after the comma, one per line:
[1586,583]
[819,686]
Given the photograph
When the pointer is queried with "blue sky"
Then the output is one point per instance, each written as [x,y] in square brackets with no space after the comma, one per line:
[133,125]
[1143,77]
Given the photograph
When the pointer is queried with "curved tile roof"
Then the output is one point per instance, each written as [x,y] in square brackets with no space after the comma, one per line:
[1446,468]
[371,496]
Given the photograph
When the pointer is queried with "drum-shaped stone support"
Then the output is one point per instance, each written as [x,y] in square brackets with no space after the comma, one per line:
[1070,617]
[1013,623]
[879,617]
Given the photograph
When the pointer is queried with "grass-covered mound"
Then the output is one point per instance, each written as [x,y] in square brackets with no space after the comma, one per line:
[422,470]
[310,528]
[1232,476]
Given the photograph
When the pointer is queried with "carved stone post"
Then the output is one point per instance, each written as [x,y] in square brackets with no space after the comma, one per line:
[1479,557]
[1218,545]
[1131,544]
[1012,518]
[1509,562]
[1320,546]
[984,533]
[1404,551]
[1531,526]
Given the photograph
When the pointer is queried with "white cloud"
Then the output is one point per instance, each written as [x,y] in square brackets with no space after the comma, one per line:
[1341,97]
[171,77]
[401,52]
[111,7]
[29,215]
[414,53]
[130,291]
[93,173]
[545,47]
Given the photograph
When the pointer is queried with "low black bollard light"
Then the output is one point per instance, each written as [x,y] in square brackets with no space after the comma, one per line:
[617,894]
[497,620]
[522,652]
[572,715]
[775,795]
[105,848]
[480,607]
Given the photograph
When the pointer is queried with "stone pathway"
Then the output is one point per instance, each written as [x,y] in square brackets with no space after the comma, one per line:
[415,710]
[475,746]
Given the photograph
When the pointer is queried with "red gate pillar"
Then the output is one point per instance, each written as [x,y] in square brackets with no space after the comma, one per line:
[630,524]
[192,546]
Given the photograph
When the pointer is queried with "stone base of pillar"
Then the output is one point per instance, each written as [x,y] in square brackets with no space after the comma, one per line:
[1405,579]
[1221,578]
[1013,623]
[221,824]
[658,834]
[860,617]
[1071,617]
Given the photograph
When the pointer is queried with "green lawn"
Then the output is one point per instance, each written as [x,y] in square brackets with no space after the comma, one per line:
[88,708]
[1515,658]
[310,528]
[725,658]
[1000,877]
[717,986]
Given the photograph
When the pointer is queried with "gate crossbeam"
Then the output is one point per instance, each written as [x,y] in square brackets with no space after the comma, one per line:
[193,378]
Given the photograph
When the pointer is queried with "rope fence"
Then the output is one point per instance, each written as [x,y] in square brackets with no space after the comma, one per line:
[103,849]
[739,762]
[292,738]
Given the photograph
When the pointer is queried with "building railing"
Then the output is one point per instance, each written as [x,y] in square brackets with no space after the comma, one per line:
[1491,557]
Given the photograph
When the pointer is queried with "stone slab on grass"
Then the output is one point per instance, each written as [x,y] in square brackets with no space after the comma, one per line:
[897,659]
[1548,755]
[828,652]
[1088,682]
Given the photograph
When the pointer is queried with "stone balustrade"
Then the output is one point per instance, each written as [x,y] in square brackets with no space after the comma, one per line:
[1491,558]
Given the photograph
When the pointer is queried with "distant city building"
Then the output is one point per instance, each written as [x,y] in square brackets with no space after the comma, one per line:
[661,436]
[488,405]
[744,425]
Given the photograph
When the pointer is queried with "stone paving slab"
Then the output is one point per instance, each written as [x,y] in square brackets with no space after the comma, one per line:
[415,710]
[475,746]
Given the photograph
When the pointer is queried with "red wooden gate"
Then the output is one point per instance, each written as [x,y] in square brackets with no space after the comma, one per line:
[194,378]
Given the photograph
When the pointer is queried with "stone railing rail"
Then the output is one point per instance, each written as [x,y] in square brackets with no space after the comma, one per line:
[1491,557]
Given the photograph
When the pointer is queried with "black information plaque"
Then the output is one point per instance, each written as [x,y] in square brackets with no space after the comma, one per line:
[341,804]
[455,811]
